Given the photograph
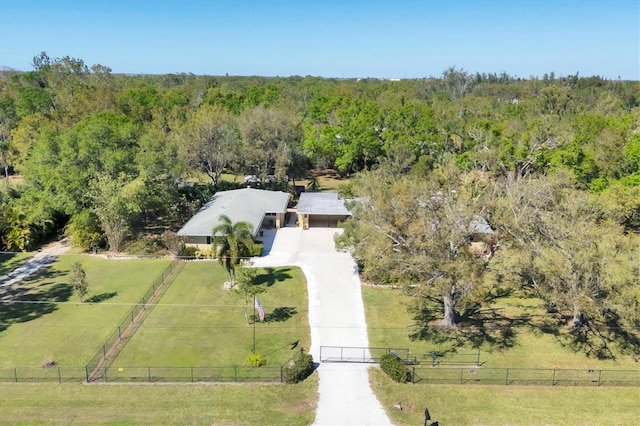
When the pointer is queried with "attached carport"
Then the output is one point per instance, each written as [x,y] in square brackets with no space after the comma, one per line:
[321,209]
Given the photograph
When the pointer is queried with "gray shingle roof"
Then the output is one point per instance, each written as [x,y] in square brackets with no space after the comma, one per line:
[240,205]
[324,203]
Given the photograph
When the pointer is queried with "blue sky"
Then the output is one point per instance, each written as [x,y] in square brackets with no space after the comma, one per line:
[331,38]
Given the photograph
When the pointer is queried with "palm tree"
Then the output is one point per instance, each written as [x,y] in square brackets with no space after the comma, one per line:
[232,241]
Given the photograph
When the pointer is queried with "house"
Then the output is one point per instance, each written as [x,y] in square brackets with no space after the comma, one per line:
[258,207]
[483,239]
[321,209]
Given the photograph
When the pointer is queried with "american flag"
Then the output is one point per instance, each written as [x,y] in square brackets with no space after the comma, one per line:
[260,309]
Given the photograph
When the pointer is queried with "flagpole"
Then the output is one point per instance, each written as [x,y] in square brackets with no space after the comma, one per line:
[253,350]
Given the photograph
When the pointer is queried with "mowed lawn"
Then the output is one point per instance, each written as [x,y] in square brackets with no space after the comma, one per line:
[193,404]
[470,404]
[49,324]
[198,323]
[507,405]
[516,340]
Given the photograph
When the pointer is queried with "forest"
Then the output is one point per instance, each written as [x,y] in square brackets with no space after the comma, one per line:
[552,164]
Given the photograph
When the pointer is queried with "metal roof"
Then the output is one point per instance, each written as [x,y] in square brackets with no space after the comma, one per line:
[479,225]
[240,205]
[325,203]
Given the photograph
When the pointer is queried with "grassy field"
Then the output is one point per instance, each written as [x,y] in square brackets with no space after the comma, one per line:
[61,329]
[198,323]
[523,346]
[514,342]
[507,405]
[254,404]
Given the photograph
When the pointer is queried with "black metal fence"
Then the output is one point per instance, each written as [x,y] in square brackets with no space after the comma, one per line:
[525,376]
[128,321]
[232,374]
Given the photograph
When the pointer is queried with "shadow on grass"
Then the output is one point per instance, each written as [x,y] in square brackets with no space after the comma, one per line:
[8,262]
[101,297]
[605,337]
[601,338]
[280,314]
[272,276]
[489,328]
[23,305]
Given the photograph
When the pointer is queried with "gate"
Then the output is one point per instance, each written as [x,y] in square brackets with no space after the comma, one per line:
[359,354]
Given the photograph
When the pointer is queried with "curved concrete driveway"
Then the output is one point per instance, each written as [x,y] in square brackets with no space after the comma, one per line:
[336,318]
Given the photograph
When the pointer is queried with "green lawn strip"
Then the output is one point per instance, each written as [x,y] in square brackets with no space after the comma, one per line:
[245,404]
[390,324]
[69,332]
[10,261]
[506,405]
[197,323]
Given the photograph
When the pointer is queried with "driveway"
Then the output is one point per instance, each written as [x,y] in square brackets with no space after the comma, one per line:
[41,259]
[336,318]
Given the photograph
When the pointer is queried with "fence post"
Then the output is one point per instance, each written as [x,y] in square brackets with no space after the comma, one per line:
[119,334]
[104,351]
[553,378]
[15,373]
[433,359]
[478,359]
[281,374]
[599,377]
[461,372]
[105,375]
[86,372]
[59,378]
[235,373]
[413,375]
[149,373]
[191,374]
[506,377]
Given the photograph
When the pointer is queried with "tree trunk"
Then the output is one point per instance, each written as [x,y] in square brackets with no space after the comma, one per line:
[449,319]
[578,317]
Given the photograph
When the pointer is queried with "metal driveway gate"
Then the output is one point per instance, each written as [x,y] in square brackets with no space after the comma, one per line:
[361,354]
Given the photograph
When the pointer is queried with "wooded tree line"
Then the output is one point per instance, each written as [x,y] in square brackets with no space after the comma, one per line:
[552,163]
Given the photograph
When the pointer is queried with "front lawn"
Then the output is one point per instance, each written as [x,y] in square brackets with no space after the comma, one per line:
[197,323]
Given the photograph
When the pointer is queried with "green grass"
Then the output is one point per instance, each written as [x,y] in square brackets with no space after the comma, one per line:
[197,323]
[66,331]
[506,405]
[525,346]
[46,403]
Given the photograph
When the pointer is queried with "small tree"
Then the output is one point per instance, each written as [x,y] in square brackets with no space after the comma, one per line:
[245,287]
[79,281]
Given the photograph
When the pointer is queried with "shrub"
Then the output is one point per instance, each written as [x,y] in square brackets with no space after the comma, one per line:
[395,368]
[189,251]
[255,360]
[204,254]
[299,368]
[256,250]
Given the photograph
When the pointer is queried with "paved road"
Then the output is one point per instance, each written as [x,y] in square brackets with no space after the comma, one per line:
[336,318]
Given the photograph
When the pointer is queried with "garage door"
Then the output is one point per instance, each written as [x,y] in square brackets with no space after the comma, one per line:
[325,221]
